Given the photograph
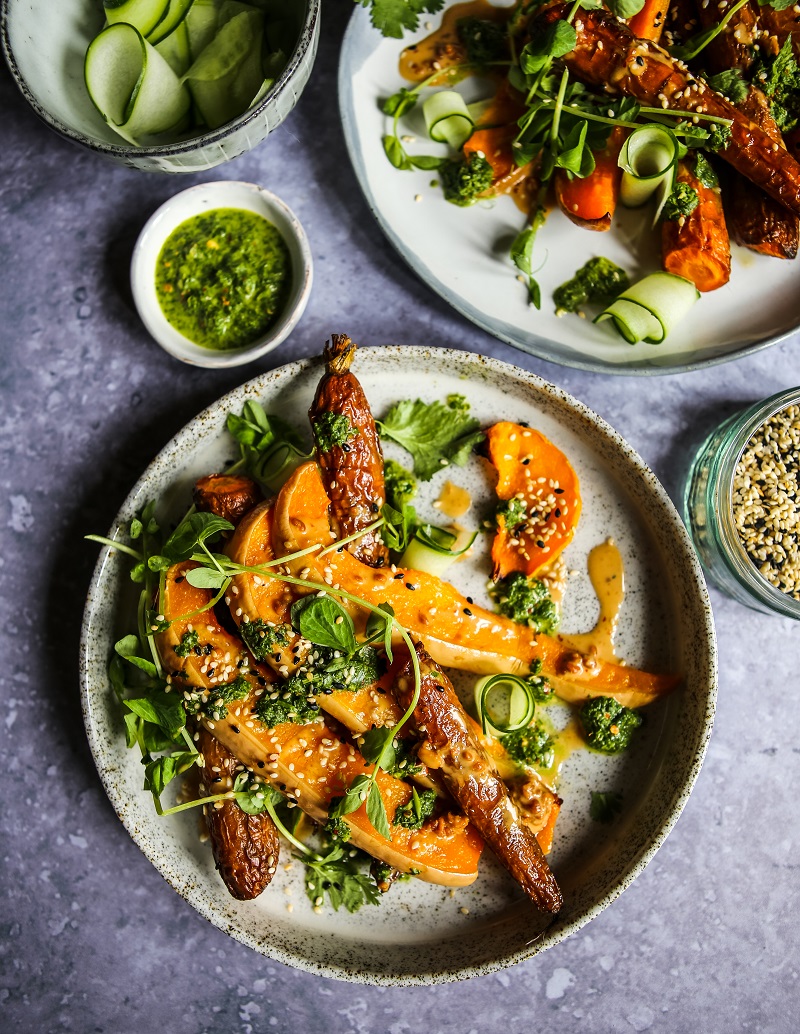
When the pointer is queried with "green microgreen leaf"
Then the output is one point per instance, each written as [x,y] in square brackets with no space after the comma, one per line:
[130,650]
[191,534]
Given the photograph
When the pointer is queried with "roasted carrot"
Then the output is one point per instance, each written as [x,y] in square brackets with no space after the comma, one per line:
[229,496]
[349,452]
[471,777]
[590,202]
[546,503]
[640,69]
[696,246]
[649,22]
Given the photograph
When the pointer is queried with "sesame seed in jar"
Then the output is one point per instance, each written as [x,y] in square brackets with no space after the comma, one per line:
[766,500]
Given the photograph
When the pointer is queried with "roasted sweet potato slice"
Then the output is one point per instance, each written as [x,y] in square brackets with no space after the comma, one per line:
[541,481]
[455,632]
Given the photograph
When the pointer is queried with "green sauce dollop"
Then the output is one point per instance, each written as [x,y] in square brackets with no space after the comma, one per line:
[222,278]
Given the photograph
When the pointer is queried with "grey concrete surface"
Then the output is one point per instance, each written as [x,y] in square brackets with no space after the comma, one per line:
[91,938]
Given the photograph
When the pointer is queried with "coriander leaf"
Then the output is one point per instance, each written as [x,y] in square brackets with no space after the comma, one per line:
[376,812]
[730,84]
[339,878]
[777,5]
[392,17]
[435,434]
[605,806]
[324,622]
[136,528]
[377,747]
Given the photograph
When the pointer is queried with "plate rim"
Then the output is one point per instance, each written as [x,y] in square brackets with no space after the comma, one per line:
[475,316]
[558,931]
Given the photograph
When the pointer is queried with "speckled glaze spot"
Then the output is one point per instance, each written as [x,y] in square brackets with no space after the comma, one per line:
[421,934]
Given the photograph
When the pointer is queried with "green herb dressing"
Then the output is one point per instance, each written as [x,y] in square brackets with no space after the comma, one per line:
[223,278]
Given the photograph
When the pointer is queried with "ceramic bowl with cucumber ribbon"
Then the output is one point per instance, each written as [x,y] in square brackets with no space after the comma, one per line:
[45,46]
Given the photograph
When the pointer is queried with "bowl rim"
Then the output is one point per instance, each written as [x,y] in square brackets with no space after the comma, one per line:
[214,136]
[192,198]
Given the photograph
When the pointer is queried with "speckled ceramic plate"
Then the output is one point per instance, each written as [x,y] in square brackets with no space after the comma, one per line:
[462,253]
[423,933]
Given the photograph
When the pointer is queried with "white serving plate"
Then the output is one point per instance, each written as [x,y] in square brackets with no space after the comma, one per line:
[420,934]
[462,253]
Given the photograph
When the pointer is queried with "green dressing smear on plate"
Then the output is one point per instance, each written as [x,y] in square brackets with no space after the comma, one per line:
[223,278]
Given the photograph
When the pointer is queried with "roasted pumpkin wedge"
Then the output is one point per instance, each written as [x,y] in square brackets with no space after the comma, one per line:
[456,633]
[308,762]
[539,478]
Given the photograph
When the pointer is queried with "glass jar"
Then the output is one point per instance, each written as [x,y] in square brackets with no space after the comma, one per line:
[708,510]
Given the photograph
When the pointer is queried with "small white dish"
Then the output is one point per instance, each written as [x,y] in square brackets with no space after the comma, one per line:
[195,201]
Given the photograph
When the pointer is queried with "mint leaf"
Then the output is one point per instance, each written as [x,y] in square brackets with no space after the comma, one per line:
[325,622]
[435,434]
[376,812]
[377,748]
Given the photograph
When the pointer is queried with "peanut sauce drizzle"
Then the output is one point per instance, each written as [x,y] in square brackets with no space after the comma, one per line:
[453,500]
[606,573]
